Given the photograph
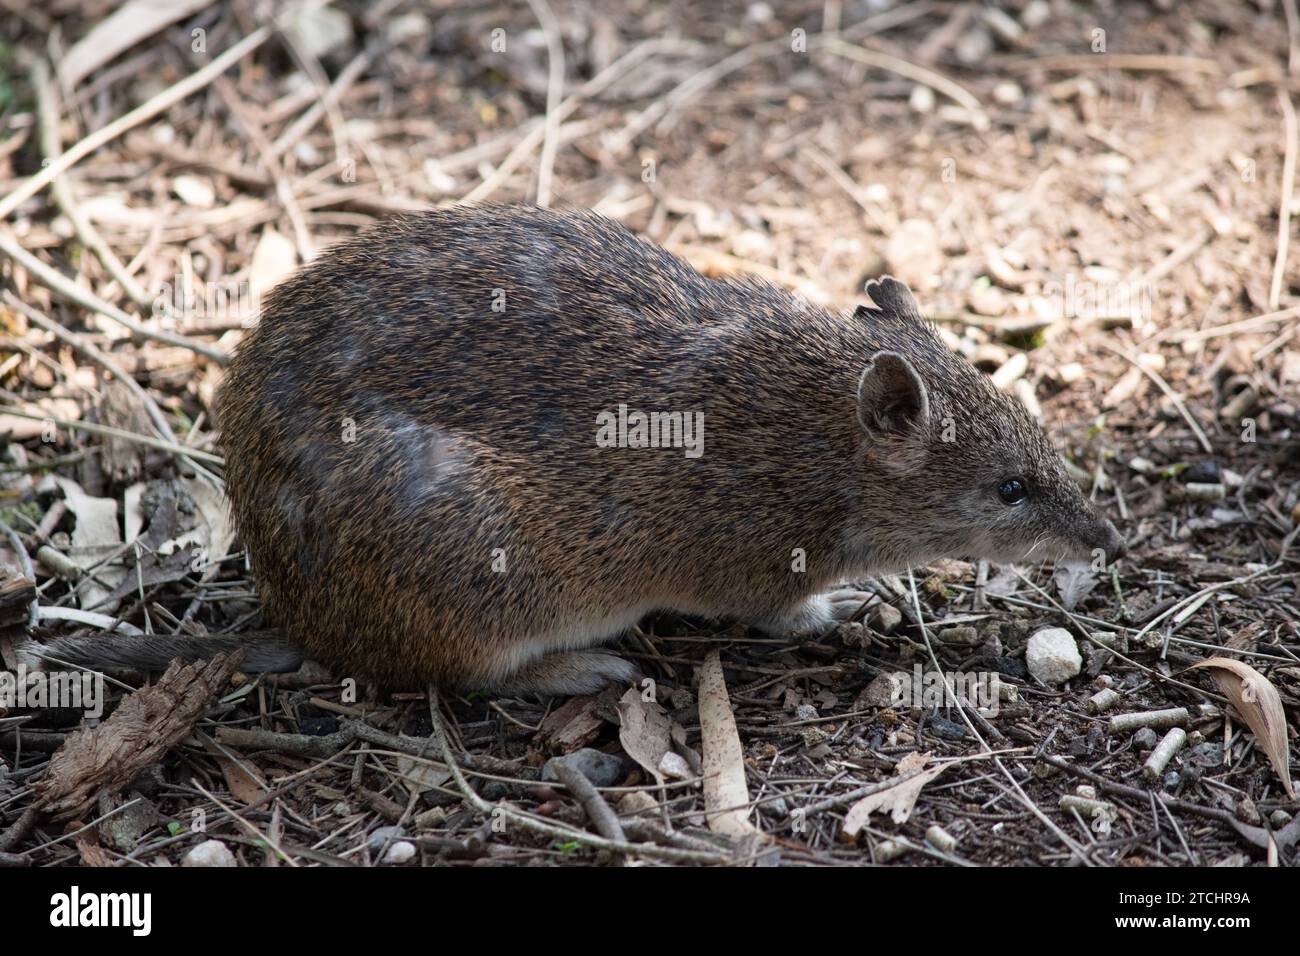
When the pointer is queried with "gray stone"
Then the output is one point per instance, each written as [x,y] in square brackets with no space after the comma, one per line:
[383,835]
[602,769]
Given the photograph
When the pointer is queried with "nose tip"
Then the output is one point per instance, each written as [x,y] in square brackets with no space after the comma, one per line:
[1115,547]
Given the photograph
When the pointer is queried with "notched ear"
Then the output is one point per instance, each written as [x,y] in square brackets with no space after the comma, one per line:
[893,297]
[892,399]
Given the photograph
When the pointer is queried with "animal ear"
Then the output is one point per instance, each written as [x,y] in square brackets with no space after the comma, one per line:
[892,399]
[891,296]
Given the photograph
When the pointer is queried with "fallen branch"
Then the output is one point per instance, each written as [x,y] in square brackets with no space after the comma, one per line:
[546,828]
[598,811]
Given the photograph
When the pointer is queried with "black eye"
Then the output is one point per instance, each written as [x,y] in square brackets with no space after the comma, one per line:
[1012,491]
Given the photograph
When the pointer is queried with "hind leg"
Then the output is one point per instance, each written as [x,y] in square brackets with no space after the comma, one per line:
[566,673]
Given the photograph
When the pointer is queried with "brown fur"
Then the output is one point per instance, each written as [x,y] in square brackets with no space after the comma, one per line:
[475,431]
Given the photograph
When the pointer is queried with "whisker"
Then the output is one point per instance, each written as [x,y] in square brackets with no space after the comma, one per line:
[1034,547]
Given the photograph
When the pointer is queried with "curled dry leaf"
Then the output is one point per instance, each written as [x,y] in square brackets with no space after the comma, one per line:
[643,730]
[1074,581]
[899,798]
[213,530]
[1260,706]
[96,538]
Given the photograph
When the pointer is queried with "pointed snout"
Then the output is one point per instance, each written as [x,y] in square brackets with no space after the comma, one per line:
[1112,542]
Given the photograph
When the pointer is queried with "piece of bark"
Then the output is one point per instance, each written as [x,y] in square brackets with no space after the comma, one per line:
[573,725]
[144,727]
[92,854]
[123,460]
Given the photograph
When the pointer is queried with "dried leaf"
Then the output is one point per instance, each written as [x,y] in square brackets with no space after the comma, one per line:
[912,761]
[274,258]
[92,854]
[726,795]
[421,776]
[1006,582]
[244,786]
[95,536]
[898,799]
[244,783]
[644,731]
[127,26]
[96,518]
[1074,581]
[213,531]
[1260,706]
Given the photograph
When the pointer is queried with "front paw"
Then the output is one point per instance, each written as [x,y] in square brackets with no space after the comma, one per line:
[820,614]
[845,603]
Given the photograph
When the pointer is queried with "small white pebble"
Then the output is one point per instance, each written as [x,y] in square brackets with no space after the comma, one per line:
[876,192]
[1052,656]
[1008,93]
[209,853]
[1070,372]
[674,765]
[885,690]
[1035,13]
[382,836]
[195,191]
[403,851]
